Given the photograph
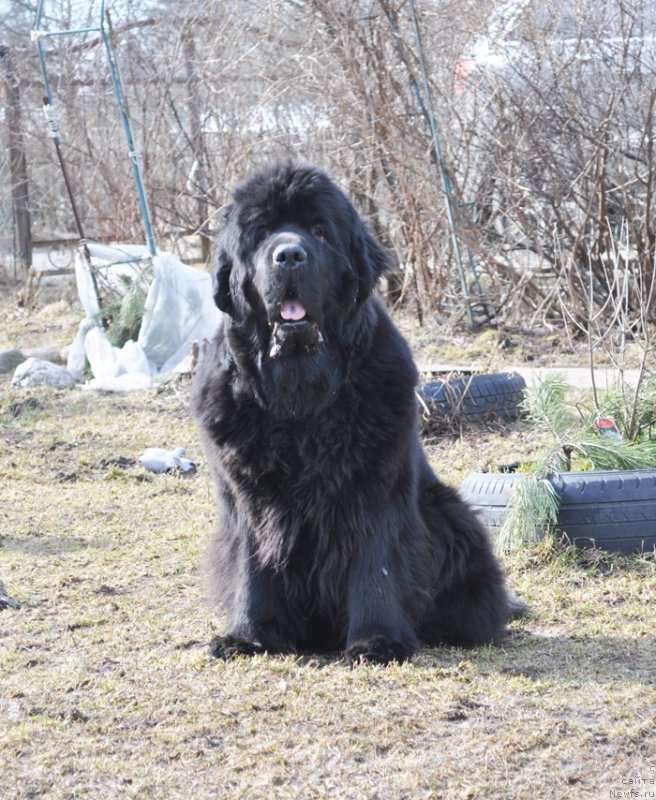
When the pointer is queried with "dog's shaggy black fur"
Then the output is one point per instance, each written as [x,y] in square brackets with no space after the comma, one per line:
[334,533]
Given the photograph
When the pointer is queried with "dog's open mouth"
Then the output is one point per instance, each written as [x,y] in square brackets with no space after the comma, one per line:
[294,332]
[292,311]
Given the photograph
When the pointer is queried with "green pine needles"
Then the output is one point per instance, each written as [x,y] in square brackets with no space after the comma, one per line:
[533,507]
[123,312]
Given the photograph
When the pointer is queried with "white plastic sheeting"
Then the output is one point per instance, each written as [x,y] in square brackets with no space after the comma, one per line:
[179,310]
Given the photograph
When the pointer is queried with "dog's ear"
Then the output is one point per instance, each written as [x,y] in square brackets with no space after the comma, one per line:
[223,267]
[221,282]
[370,258]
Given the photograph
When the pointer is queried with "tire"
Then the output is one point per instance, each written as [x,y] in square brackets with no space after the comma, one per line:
[477,397]
[610,509]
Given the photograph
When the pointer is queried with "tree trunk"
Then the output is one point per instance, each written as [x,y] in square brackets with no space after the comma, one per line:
[17,161]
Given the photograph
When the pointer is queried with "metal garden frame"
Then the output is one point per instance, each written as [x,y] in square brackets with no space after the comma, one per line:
[38,36]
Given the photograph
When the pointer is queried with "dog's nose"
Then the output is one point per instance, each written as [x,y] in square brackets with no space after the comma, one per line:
[289,255]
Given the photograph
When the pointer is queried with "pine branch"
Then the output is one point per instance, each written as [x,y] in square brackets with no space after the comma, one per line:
[533,506]
[544,405]
[616,454]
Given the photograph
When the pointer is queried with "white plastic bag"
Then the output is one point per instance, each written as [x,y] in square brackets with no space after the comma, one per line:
[156,459]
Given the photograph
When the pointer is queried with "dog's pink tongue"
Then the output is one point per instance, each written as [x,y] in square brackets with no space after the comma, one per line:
[292,311]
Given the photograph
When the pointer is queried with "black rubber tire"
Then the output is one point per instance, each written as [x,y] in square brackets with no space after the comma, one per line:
[477,397]
[610,509]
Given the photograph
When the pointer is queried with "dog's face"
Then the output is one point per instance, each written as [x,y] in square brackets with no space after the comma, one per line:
[301,278]
[294,259]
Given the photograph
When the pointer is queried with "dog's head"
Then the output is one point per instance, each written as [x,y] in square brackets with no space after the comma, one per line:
[295,258]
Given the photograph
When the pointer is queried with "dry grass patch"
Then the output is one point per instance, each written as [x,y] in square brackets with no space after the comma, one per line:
[106,690]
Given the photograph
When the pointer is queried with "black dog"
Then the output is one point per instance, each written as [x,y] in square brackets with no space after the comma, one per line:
[334,532]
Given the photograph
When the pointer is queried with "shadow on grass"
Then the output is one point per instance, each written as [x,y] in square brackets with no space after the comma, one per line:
[573,660]
[579,658]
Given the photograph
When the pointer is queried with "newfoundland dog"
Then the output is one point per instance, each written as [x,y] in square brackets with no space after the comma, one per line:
[334,532]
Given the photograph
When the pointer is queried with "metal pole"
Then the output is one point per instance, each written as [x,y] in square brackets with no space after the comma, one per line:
[48,110]
[127,130]
[53,129]
[444,178]
[37,35]
[54,135]
[426,108]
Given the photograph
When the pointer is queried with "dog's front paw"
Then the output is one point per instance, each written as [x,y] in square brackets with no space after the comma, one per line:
[227,647]
[376,650]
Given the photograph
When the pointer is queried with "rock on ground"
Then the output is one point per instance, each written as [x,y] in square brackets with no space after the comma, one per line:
[55,355]
[10,359]
[36,372]
[6,601]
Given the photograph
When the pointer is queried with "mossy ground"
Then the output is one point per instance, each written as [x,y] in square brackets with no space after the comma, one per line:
[107,691]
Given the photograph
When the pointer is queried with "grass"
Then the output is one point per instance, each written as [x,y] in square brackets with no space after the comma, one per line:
[107,691]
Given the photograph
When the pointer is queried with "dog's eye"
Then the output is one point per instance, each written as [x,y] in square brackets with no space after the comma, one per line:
[260,235]
[319,232]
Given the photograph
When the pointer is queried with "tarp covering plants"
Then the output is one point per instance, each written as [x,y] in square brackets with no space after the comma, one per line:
[178,309]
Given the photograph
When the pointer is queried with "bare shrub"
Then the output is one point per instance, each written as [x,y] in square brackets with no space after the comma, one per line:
[561,144]
[549,151]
